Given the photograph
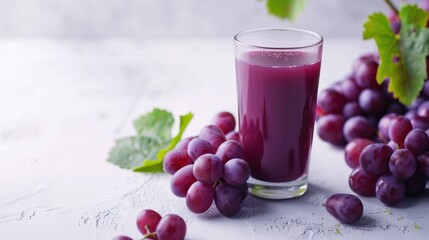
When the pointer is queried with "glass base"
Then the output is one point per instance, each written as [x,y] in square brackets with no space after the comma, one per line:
[281,190]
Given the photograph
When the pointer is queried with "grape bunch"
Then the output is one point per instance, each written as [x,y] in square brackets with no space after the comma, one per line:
[210,167]
[153,226]
[386,143]
[394,170]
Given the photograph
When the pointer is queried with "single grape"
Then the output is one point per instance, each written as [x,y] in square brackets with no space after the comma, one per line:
[148,219]
[183,144]
[365,74]
[415,185]
[423,164]
[352,109]
[420,122]
[346,208]
[122,238]
[374,158]
[372,101]
[402,164]
[383,125]
[182,181]
[244,190]
[175,160]
[228,199]
[358,127]
[225,121]
[331,101]
[330,128]
[208,168]
[228,150]
[353,150]
[233,135]
[390,190]
[199,197]
[350,90]
[417,142]
[171,227]
[399,127]
[198,147]
[362,183]
[423,109]
[213,135]
[411,114]
[236,172]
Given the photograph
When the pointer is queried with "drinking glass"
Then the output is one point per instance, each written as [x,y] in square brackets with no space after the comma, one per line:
[277,74]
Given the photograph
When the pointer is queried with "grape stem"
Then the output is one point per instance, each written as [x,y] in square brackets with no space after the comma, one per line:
[392,6]
[148,234]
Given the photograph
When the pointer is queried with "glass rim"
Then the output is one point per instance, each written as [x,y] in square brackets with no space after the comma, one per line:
[317,42]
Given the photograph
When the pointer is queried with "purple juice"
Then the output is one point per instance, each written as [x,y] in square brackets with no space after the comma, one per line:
[277,94]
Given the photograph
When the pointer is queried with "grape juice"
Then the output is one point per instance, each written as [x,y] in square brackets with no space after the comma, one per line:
[277,94]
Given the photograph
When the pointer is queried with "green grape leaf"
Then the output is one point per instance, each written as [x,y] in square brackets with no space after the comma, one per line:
[402,56]
[286,9]
[155,164]
[156,124]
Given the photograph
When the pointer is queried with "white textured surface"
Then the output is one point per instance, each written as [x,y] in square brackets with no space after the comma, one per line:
[62,103]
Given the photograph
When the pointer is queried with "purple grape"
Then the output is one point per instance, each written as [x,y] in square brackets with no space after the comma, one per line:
[233,135]
[175,160]
[208,168]
[362,183]
[183,144]
[182,181]
[389,190]
[372,101]
[228,150]
[411,114]
[415,185]
[383,125]
[402,164]
[350,90]
[236,172]
[213,135]
[420,122]
[358,127]
[352,109]
[122,238]
[330,128]
[225,121]
[331,101]
[148,219]
[423,109]
[353,150]
[399,128]
[346,208]
[423,164]
[198,147]
[244,190]
[199,197]
[171,227]
[228,199]
[374,158]
[417,142]
[365,74]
